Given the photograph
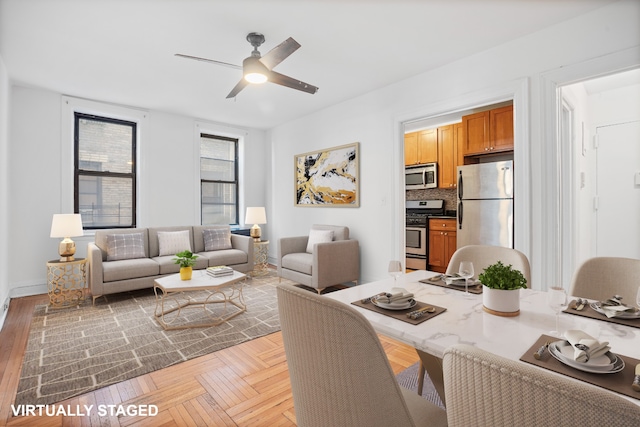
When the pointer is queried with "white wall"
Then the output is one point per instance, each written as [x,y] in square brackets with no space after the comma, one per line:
[4,188]
[41,171]
[373,121]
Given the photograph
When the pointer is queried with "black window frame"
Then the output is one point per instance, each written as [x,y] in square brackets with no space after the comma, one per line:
[235,173]
[77,172]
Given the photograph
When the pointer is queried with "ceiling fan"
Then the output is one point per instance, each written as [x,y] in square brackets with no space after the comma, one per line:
[259,69]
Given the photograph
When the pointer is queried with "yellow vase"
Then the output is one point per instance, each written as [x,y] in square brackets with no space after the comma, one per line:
[185,273]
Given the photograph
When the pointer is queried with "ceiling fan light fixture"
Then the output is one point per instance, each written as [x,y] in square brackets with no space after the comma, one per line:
[254,70]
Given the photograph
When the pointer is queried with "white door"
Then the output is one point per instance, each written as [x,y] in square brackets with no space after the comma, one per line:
[618,190]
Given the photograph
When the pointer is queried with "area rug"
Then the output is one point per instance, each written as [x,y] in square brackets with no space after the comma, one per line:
[409,380]
[73,351]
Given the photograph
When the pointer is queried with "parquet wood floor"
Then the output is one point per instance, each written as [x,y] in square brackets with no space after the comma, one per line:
[244,385]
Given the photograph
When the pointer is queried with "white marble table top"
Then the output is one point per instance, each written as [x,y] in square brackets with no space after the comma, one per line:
[465,321]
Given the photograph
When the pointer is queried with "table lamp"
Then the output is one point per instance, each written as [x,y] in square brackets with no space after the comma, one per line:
[256,215]
[66,226]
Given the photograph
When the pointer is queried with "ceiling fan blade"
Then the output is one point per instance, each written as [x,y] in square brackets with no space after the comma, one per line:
[212,61]
[280,53]
[241,85]
[287,81]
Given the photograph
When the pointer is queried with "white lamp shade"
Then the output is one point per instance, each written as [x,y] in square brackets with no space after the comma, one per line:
[255,215]
[66,225]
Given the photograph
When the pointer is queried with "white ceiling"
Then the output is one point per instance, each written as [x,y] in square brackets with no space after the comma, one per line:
[122,51]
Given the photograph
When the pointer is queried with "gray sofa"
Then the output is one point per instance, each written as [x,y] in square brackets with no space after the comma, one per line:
[140,270]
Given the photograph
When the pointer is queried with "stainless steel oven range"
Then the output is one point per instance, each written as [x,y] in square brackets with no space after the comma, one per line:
[417,231]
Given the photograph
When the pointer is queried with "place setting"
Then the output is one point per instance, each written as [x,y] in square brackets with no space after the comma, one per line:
[581,356]
[461,281]
[399,303]
[612,310]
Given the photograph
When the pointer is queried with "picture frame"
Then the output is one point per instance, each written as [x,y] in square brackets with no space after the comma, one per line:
[328,177]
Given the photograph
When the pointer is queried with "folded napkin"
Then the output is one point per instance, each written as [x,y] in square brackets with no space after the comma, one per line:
[612,310]
[585,346]
[396,295]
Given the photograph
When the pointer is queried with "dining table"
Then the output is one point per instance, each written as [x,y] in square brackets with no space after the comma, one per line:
[462,320]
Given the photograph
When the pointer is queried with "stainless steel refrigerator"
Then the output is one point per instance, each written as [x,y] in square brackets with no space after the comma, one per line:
[485,204]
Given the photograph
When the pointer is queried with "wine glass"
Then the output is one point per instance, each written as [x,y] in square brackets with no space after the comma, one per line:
[557,299]
[466,271]
[395,270]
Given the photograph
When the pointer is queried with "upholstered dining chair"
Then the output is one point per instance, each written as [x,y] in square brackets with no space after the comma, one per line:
[484,389]
[340,375]
[600,278]
[482,256]
[325,257]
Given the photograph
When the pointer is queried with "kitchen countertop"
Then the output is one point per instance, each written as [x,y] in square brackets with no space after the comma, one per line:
[442,217]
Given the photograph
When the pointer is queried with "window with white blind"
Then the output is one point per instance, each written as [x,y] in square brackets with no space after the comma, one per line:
[218,179]
[104,171]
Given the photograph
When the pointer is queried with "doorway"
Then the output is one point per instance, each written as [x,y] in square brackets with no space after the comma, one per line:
[599,130]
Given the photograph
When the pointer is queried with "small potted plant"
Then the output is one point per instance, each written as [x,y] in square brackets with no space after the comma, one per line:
[186,260]
[501,286]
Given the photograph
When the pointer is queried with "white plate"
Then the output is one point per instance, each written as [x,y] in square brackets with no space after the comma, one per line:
[635,314]
[608,363]
[395,306]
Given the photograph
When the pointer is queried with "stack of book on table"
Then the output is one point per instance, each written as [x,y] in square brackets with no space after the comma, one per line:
[219,271]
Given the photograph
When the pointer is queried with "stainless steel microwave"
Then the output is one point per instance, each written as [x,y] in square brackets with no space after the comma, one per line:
[421,176]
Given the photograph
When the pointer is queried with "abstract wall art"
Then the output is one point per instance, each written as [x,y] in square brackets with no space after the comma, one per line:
[329,177]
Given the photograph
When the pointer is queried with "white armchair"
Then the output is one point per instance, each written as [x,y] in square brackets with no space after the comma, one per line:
[324,258]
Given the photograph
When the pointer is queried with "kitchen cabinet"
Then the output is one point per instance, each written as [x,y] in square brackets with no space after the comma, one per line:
[488,131]
[442,243]
[421,147]
[450,154]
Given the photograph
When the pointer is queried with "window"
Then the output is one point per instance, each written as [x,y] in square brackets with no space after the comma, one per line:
[104,171]
[218,179]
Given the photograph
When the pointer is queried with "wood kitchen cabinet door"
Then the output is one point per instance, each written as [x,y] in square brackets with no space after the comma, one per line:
[410,148]
[476,133]
[428,146]
[501,131]
[450,154]
[442,243]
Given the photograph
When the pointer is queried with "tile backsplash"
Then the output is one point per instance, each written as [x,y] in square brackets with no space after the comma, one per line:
[448,195]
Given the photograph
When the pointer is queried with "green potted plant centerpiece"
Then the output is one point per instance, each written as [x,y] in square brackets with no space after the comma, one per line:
[186,260]
[501,286]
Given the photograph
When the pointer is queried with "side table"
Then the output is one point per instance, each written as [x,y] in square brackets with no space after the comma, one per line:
[66,282]
[260,257]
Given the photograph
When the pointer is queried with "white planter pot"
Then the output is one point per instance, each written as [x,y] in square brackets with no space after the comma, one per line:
[501,302]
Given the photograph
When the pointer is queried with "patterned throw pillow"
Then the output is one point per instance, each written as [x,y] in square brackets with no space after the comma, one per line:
[318,236]
[172,242]
[216,239]
[125,246]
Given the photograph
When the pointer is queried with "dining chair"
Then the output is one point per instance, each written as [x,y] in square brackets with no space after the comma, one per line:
[482,256]
[600,278]
[484,389]
[339,372]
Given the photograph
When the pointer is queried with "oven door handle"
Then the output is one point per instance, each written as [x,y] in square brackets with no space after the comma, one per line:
[424,177]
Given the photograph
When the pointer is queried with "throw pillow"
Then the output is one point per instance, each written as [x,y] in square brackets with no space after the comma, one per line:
[172,242]
[216,239]
[318,236]
[125,246]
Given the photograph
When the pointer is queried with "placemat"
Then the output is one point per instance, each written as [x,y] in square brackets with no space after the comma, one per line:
[587,311]
[620,382]
[402,314]
[473,289]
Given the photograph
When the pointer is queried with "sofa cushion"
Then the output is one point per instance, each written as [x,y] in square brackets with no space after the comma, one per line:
[318,236]
[228,257]
[217,238]
[129,269]
[125,246]
[301,262]
[172,242]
